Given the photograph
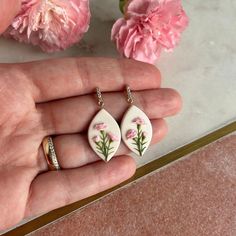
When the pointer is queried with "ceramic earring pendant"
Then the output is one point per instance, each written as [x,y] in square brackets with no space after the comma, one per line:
[136,128]
[104,133]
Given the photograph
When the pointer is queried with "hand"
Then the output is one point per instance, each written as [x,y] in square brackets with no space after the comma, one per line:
[8,10]
[55,98]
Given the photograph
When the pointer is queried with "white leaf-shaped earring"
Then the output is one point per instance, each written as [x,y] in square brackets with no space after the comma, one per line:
[104,133]
[136,128]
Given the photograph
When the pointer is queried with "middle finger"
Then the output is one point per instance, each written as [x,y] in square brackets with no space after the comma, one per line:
[73,115]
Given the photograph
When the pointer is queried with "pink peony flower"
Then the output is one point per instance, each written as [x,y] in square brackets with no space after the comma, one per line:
[139,121]
[96,139]
[131,134]
[52,24]
[113,137]
[100,126]
[148,27]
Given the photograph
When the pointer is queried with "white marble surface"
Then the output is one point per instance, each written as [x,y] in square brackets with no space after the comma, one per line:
[202,68]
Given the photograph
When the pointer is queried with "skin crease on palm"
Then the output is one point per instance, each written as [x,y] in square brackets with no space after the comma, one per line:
[57,98]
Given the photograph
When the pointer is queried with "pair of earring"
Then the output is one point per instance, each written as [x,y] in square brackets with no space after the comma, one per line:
[104,133]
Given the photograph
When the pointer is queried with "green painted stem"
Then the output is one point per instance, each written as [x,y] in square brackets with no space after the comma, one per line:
[104,146]
[139,141]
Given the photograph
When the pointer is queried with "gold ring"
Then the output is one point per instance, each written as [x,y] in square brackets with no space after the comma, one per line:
[50,153]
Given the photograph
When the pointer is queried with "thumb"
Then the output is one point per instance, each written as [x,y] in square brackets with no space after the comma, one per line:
[8,10]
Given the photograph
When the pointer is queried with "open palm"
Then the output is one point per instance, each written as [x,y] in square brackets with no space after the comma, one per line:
[57,98]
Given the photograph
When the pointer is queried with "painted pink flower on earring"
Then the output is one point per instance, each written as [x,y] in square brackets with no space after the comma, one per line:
[148,28]
[100,126]
[113,137]
[104,140]
[131,134]
[96,139]
[139,121]
[51,24]
[138,136]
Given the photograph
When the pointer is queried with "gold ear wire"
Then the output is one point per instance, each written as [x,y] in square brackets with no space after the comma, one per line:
[100,98]
[130,98]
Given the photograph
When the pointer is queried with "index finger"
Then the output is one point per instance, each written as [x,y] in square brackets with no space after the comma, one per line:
[68,77]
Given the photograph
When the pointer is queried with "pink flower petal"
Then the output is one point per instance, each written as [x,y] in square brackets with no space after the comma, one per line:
[96,139]
[100,126]
[139,121]
[113,137]
[131,134]
[145,134]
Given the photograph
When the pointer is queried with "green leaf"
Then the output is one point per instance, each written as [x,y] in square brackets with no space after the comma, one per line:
[99,149]
[122,5]
[101,152]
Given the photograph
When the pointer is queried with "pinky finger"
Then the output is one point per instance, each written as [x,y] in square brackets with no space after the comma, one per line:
[53,190]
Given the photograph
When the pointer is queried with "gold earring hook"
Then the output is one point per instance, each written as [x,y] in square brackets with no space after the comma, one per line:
[100,98]
[130,98]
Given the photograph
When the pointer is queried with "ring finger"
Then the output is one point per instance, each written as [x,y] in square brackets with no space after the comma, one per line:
[73,150]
